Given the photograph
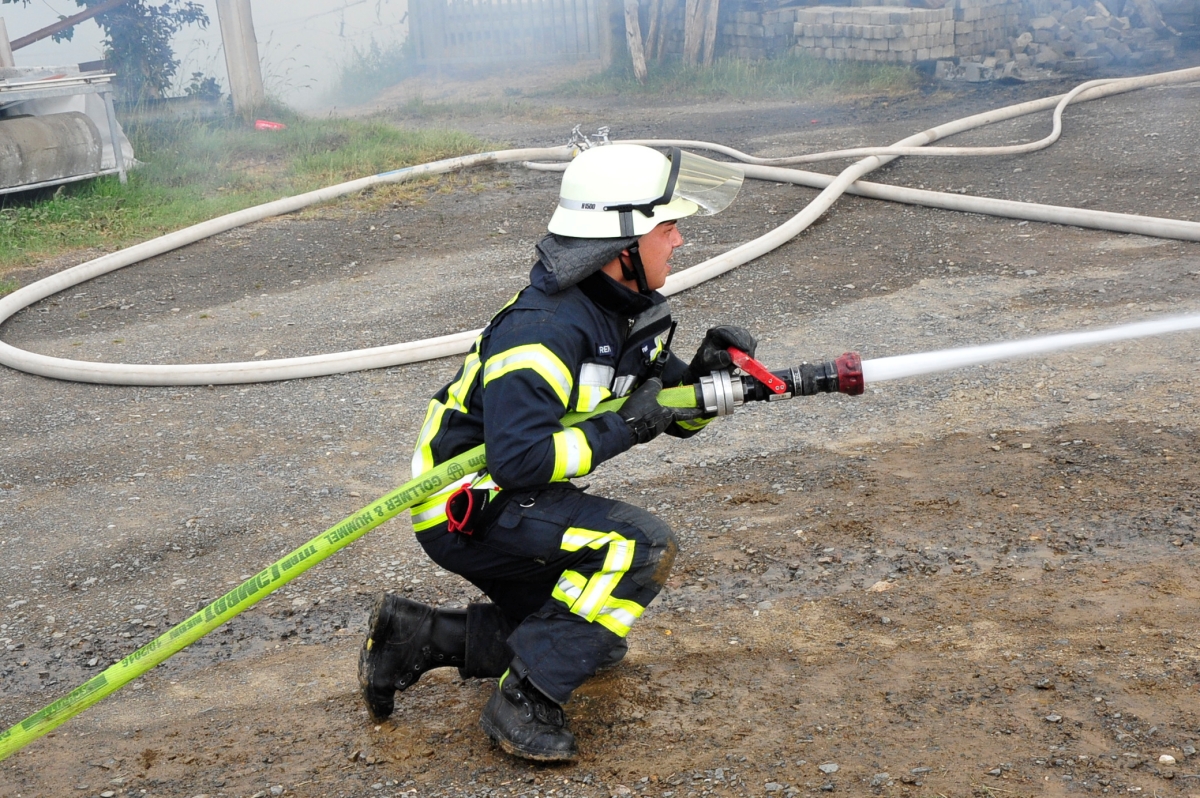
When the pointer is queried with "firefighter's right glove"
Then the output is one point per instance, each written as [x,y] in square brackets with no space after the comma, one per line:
[711,356]
[647,419]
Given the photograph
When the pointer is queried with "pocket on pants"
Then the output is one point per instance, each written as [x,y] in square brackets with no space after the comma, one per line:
[532,523]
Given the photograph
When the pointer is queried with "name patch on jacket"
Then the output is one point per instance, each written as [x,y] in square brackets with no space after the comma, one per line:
[604,349]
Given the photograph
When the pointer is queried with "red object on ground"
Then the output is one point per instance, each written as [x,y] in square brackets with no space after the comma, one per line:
[756,370]
[262,124]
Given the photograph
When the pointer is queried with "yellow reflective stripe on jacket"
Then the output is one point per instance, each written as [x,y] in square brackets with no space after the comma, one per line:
[595,381]
[536,357]
[432,511]
[590,398]
[572,454]
[659,343]
[429,514]
[616,563]
[456,398]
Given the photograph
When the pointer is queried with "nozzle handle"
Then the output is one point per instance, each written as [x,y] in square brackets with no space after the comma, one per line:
[757,370]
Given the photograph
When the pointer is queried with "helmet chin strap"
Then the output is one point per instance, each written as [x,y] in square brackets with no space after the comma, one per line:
[633,270]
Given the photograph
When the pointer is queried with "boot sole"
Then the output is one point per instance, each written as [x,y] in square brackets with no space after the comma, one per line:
[523,753]
[364,666]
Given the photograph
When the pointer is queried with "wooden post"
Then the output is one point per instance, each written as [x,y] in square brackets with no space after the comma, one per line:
[693,30]
[6,56]
[665,12]
[604,31]
[710,32]
[633,35]
[241,55]
[652,31]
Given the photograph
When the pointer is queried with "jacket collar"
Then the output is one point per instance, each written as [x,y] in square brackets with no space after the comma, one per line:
[616,298]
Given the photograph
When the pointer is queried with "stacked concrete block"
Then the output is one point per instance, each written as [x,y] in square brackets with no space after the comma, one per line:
[875,33]
[980,26]
[754,35]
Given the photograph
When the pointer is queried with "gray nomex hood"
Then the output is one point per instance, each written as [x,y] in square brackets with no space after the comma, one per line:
[566,261]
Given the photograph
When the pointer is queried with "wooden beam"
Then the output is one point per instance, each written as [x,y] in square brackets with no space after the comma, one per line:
[63,24]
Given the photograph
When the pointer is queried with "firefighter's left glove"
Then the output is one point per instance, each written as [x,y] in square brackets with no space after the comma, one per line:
[647,419]
[712,355]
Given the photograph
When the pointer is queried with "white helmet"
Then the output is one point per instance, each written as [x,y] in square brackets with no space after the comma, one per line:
[624,190]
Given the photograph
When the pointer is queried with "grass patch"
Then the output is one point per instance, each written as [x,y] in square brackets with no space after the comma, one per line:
[8,285]
[798,77]
[198,169]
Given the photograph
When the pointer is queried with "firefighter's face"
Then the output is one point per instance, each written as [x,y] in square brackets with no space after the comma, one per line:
[656,248]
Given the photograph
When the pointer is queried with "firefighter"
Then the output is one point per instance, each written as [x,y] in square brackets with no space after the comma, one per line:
[567,572]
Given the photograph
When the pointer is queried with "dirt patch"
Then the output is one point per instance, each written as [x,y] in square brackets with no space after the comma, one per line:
[982,582]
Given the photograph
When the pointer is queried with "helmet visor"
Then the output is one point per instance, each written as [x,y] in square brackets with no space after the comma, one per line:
[710,184]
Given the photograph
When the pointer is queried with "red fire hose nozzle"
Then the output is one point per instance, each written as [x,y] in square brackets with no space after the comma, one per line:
[850,374]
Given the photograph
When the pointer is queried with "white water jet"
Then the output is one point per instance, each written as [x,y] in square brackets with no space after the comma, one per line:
[894,368]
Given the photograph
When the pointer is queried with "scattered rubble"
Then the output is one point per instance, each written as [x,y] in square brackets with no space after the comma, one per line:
[971,40]
[1074,36]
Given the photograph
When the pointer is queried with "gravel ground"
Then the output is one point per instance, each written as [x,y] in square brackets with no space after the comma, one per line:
[979,582]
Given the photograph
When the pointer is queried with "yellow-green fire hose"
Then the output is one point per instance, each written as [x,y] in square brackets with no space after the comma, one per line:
[270,579]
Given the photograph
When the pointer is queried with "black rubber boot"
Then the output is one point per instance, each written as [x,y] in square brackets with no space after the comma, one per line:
[405,639]
[525,723]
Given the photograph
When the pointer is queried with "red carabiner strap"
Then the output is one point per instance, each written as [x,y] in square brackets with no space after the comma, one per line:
[459,509]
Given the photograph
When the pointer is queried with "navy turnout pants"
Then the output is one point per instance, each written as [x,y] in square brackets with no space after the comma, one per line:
[570,572]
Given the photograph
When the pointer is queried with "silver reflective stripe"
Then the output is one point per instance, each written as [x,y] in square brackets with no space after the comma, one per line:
[574,453]
[569,589]
[623,384]
[597,205]
[437,511]
[596,375]
[621,615]
[601,585]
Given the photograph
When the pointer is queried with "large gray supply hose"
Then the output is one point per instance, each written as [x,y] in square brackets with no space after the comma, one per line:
[793,227]
[253,371]
[1093,90]
[1154,226]
[382,357]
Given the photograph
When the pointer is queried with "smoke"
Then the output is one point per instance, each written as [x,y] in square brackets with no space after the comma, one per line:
[302,44]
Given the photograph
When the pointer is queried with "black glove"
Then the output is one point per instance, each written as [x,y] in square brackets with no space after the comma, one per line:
[647,419]
[711,356]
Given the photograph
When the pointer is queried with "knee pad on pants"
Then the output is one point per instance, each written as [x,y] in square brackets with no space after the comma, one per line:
[661,540]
